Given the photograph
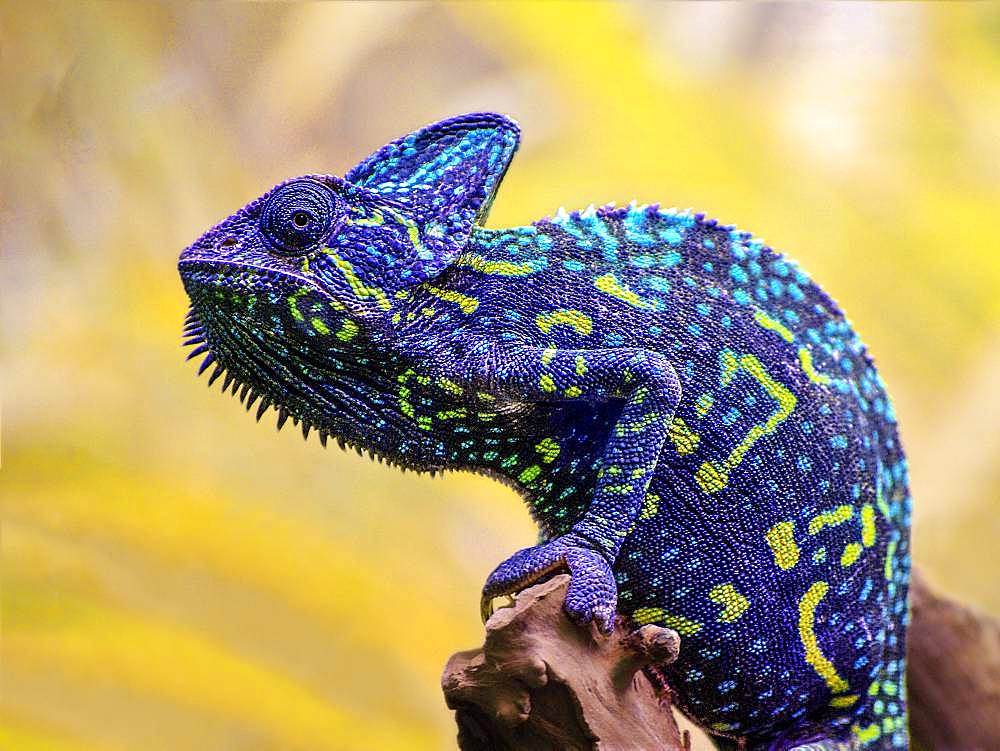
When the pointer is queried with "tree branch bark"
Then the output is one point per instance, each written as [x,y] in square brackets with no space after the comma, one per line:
[542,683]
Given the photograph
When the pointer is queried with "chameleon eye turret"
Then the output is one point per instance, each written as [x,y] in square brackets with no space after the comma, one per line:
[298,217]
[698,430]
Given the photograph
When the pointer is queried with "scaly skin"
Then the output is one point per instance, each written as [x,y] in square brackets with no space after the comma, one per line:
[698,431]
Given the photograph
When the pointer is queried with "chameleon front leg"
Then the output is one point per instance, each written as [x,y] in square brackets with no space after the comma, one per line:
[648,386]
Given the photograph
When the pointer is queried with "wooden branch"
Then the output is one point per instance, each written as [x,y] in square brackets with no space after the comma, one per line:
[541,683]
[953,673]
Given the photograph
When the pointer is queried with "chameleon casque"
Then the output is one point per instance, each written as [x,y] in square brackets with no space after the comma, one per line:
[699,433]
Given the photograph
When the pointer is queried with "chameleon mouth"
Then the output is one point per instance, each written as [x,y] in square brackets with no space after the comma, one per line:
[195,335]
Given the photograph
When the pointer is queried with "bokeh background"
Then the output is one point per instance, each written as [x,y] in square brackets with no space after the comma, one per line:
[176,577]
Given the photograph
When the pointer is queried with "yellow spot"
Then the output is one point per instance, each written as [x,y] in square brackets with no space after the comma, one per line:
[868,734]
[545,383]
[530,474]
[396,317]
[446,384]
[465,303]
[549,449]
[581,365]
[733,603]
[573,392]
[713,476]
[831,518]
[685,441]
[819,555]
[678,623]
[650,505]
[610,285]
[890,553]
[772,325]
[548,354]
[814,656]
[348,330]
[320,325]
[781,538]
[868,525]
[452,414]
[704,403]
[844,701]
[852,551]
[498,268]
[873,689]
[483,396]
[579,321]
[359,288]
[806,361]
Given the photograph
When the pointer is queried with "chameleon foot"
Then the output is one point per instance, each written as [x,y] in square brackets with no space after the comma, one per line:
[592,594]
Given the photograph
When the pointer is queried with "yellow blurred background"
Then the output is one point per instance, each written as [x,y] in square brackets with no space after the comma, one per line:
[176,577]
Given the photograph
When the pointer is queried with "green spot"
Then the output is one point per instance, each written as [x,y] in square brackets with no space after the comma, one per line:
[497,268]
[549,449]
[852,551]
[358,287]
[465,303]
[579,321]
[348,330]
[320,325]
[684,440]
[545,383]
[678,623]
[733,603]
[529,474]
[650,505]
[772,325]
[781,539]
[609,285]
[376,220]
[832,518]
[450,386]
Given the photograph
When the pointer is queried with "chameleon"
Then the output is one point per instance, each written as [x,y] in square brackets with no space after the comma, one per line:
[698,432]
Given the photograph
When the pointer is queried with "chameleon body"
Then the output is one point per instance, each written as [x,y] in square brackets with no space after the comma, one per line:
[700,435]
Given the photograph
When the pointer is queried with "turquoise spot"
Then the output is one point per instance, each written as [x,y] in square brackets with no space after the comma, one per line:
[658,283]
[741,297]
[671,236]
[738,274]
[572,265]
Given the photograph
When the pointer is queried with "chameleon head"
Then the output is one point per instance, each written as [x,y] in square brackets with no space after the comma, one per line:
[293,296]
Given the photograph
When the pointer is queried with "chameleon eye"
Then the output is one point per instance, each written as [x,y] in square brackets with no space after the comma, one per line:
[298,216]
